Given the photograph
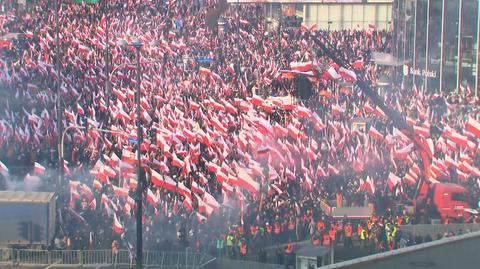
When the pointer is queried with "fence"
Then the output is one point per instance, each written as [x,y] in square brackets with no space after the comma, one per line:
[96,257]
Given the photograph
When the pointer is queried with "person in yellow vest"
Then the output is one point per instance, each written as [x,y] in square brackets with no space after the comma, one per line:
[230,242]
[364,237]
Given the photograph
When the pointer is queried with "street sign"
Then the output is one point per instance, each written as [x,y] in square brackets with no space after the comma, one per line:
[133,140]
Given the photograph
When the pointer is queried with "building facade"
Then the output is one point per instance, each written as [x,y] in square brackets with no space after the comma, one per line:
[438,43]
[331,14]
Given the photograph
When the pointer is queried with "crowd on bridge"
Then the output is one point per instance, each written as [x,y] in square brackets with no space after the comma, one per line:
[230,151]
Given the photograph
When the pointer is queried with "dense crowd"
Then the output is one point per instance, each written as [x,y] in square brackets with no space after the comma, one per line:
[229,152]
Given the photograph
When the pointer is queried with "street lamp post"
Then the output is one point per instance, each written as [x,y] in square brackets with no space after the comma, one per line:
[137,44]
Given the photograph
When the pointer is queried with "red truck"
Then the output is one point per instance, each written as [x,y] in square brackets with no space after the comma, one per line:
[450,201]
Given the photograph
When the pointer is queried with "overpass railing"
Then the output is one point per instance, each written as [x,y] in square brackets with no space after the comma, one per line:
[97,257]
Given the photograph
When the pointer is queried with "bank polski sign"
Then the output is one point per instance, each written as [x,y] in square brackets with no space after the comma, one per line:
[419,72]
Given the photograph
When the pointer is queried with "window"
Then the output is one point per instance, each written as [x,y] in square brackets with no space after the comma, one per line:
[459,196]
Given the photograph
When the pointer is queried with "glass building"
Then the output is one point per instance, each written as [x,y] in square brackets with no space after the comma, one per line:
[438,43]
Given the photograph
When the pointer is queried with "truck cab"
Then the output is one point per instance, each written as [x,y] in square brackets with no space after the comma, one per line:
[450,200]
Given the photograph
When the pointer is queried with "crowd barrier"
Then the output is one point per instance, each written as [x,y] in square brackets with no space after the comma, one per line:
[98,257]
[434,230]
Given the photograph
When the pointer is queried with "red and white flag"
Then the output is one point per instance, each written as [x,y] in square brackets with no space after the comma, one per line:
[117,226]
[246,181]
[152,198]
[38,169]
[3,168]
[473,126]
[348,75]
[393,180]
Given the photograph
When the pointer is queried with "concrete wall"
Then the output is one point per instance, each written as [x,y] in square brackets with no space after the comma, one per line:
[454,252]
[434,229]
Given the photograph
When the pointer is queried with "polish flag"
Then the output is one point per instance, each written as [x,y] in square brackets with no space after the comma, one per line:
[358,64]
[205,71]
[375,134]
[83,49]
[80,110]
[38,168]
[410,179]
[301,66]
[256,100]
[200,217]
[128,157]
[393,180]
[368,108]
[332,74]
[246,181]
[120,192]
[348,75]
[425,132]
[221,177]
[3,168]
[177,162]
[187,202]
[379,113]
[333,170]
[164,182]
[451,163]
[402,153]
[210,200]
[196,188]
[370,185]
[152,198]
[117,226]
[473,126]
[231,68]
[459,139]
[244,22]
[320,172]
[183,190]
[97,185]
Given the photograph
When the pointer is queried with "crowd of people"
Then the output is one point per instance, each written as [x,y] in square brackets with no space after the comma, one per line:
[229,151]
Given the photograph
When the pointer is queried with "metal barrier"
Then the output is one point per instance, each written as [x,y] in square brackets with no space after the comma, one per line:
[97,257]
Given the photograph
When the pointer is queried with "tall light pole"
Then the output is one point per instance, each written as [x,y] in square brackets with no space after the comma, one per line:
[59,103]
[137,44]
